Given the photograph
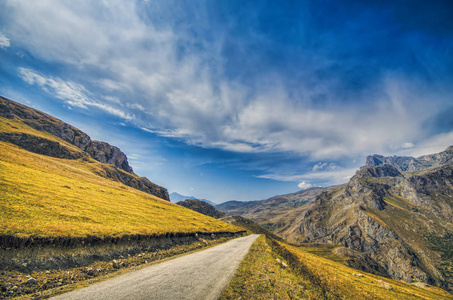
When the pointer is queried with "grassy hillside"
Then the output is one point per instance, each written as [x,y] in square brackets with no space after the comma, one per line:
[275,270]
[44,196]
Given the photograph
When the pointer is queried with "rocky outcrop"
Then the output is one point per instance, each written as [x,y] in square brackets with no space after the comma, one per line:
[202,207]
[102,152]
[40,145]
[108,154]
[411,164]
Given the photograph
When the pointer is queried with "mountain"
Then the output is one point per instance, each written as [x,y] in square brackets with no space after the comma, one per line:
[176,197]
[41,133]
[410,164]
[201,207]
[396,212]
[277,213]
[58,187]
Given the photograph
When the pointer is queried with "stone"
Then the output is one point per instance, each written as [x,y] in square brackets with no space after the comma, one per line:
[115,264]
[31,280]
[385,285]
[90,271]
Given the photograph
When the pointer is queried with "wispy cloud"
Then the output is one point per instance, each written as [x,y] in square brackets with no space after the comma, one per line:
[72,93]
[4,41]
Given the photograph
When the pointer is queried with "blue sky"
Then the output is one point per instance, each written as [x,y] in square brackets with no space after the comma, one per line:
[239,100]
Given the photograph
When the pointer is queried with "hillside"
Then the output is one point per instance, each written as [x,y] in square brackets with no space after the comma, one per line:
[277,213]
[40,133]
[276,270]
[55,181]
[202,207]
[400,220]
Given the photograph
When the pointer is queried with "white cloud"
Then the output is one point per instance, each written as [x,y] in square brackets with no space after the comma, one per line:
[303,185]
[432,145]
[407,145]
[319,166]
[136,106]
[4,41]
[324,166]
[72,93]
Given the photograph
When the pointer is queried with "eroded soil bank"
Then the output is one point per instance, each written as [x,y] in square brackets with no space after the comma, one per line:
[39,268]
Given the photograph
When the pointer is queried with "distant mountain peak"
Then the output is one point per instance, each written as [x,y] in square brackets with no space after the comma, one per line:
[176,197]
[410,164]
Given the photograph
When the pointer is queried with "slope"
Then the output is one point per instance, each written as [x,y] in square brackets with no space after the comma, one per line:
[202,207]
[54,181]
[277,213]
[276,270]
[40,133]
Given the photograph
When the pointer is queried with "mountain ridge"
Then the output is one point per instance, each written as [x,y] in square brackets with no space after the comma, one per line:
[202,207]
[35,140]
[176,197]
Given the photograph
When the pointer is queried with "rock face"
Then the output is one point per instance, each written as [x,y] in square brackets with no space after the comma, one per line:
[394,217]
[85,148]
[101,151]
[202,207]
[107,154]
[410,164]
[39,145]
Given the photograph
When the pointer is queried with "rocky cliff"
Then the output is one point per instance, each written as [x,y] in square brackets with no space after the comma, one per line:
[397,211]
[70,143]
[101,151]
[410,164]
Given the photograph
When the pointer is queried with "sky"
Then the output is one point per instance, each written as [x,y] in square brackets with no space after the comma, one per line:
[238,100]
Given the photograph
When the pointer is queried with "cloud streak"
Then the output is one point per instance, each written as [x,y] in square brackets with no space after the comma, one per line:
[4,41]
[72,93]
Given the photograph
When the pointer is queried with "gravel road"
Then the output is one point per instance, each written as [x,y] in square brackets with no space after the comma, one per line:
[200,275]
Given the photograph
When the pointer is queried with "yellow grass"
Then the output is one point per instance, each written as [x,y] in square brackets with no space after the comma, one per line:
[47,197]
[341,280]
[261,276]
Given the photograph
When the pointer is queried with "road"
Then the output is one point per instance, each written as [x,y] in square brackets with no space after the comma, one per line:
[200,275]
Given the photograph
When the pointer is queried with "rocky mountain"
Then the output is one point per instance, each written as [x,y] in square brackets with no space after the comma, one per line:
[278,213]
[410,164]
[397,212]
[202,207]
[176,197]
[43,134]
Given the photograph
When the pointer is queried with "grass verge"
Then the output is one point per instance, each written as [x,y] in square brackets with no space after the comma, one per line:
[309,276]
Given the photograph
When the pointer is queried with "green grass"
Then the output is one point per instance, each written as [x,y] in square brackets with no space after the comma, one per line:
[47,197]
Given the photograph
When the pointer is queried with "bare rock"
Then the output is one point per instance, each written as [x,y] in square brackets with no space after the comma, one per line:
[385,285]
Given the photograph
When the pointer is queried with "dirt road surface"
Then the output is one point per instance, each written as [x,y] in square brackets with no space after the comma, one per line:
[200,275]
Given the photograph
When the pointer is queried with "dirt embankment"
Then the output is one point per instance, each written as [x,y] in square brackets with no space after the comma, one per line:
[39,267]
